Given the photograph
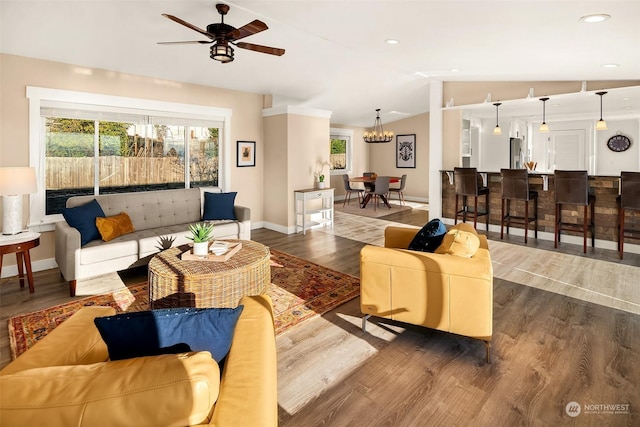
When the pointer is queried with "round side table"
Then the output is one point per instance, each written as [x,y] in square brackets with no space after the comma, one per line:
[20,245]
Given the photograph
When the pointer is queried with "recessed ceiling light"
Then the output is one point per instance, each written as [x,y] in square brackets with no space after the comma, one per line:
[391,41]
[596,17]
[422,74]
[454,70]
[610,65]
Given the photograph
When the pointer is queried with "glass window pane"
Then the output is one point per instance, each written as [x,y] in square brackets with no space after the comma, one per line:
[203,156]
[338,154]
[69,168]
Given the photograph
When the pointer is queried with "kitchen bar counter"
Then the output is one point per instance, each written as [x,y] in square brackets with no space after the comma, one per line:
[605,188]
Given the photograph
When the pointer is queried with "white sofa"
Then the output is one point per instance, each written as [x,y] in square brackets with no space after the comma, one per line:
[161,220]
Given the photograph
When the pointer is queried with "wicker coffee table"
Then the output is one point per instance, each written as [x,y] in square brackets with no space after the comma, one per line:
[177,283]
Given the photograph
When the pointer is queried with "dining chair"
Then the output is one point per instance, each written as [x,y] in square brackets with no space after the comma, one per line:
[380,190]
[399,190]
[349,190]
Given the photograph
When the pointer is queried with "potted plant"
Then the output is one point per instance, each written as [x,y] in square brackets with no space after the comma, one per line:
[200,234]
[321,181]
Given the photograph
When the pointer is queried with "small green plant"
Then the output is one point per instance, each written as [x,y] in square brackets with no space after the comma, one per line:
[200,232]
[321,178]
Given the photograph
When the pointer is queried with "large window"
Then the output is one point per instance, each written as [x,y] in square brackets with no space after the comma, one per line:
[340,150]
[103,147]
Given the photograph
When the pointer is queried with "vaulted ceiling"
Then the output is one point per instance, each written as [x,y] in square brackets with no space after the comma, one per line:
[337,57]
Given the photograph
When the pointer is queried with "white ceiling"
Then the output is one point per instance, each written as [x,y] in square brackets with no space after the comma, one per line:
[336,55]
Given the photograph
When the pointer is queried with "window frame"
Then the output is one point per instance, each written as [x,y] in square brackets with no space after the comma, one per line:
[38,220]
[341,133]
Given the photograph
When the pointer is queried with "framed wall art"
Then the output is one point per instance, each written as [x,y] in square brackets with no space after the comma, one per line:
[246,153]
[406,151]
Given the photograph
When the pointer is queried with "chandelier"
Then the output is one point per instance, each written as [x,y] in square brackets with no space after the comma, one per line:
[377,134]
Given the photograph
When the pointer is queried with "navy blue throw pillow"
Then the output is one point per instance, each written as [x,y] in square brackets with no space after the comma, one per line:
[83,218]
[219,206]
[429,237]
[171,330]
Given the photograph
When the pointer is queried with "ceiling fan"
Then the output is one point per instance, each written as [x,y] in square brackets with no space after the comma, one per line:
[222,35]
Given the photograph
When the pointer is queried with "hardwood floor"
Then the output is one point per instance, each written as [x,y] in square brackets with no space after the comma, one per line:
[548,349]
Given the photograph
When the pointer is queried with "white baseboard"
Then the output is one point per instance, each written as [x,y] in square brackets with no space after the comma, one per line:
[39,265]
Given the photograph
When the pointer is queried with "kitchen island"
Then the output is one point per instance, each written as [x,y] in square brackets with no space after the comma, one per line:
[605,188]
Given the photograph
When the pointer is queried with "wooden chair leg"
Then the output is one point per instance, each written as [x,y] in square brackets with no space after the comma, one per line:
[584,230]
[556,237]
[502,220]
[487,210]
[72,288]
[593,225]
[475,212]
[535,216]
[455,220]
[621,234]
[526,220]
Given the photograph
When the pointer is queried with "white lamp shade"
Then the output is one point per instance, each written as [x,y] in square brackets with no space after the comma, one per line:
[497,130]
[544,128]
[17,180]
[601,125]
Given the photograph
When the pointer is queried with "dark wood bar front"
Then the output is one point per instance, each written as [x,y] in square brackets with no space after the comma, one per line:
[605,188]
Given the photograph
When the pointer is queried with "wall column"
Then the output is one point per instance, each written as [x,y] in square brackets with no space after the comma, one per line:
[435,149]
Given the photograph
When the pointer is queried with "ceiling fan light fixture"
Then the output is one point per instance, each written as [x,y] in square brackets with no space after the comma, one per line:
[222,52]
[377,134]
[601,124]
[544,128]
[497,130]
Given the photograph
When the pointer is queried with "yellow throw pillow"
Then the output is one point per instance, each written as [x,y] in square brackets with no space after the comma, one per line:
[114,226]
[459,243]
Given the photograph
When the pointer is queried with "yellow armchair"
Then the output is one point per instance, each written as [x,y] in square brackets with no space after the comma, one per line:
[439,291]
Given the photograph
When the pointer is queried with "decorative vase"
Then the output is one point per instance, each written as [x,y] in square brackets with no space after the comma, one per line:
[320,184]
[201,248]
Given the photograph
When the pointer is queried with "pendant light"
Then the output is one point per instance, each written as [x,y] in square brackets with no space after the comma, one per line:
[601,125]
[543,127]
[377,133]
[497,130]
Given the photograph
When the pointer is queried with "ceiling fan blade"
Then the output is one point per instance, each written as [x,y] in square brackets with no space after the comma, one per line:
[251,28]
[259,48]
[188,25]
[189,42]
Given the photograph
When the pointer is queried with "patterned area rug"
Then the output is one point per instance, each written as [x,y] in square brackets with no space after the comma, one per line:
[300,290]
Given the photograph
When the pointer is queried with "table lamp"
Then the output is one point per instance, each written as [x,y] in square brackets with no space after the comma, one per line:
[14,183]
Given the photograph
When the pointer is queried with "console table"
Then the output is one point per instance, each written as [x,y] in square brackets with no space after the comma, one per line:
[305,207]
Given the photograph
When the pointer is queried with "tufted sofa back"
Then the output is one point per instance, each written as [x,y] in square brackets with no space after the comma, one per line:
[150,209]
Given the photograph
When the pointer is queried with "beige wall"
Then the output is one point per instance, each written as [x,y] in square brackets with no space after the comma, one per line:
[297,145]
[16,73]
[383,156]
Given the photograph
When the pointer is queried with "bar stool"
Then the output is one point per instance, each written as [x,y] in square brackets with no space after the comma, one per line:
[515,186]
[572,188]
[628,200]
[469,183]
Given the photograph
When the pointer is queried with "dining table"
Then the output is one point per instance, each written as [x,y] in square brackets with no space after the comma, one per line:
[370,184]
